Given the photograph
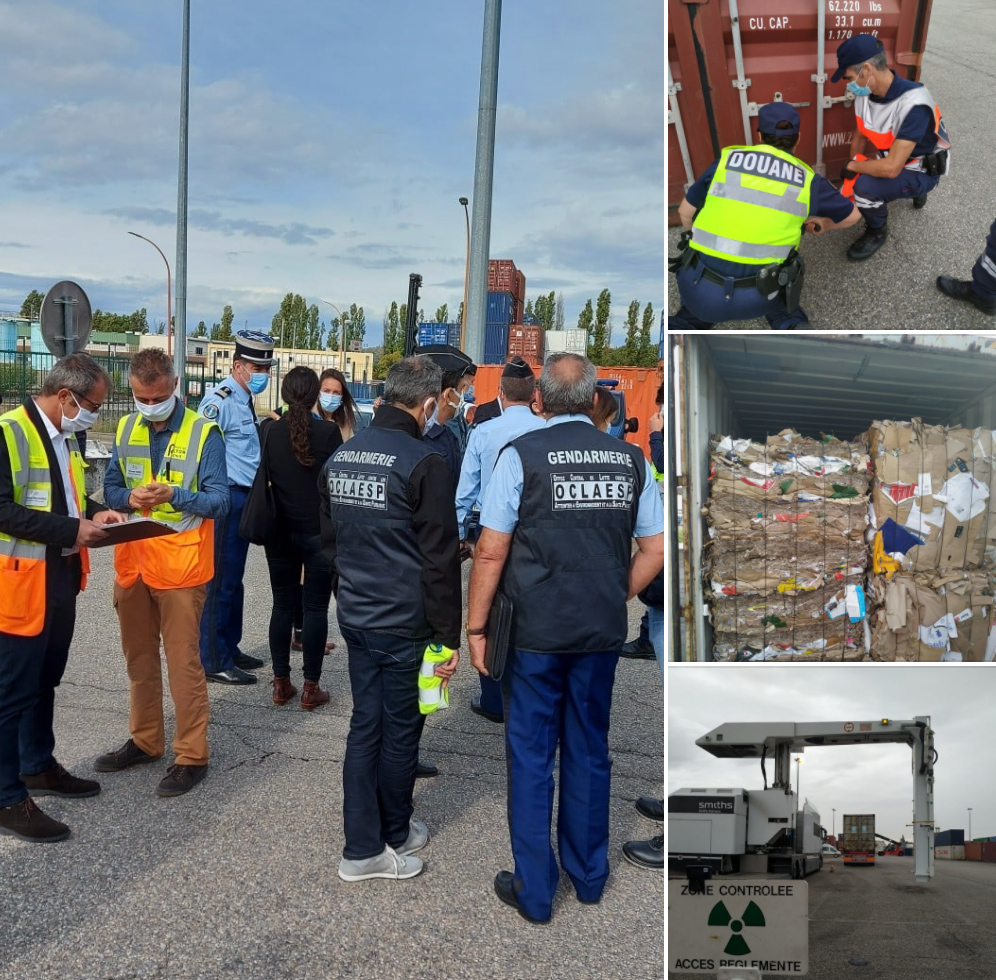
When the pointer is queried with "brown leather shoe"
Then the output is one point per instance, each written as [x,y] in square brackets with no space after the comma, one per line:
[180,779]
[57,782]
[313,696]
[283,690]
[26,822]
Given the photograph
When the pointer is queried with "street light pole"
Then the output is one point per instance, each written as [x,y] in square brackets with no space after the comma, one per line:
[180,354]
[833,824]
[342,339]
[466,278]
[169,293]
[798,766]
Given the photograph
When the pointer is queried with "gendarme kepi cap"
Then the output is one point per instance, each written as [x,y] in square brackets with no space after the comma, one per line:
[854,51]
[770,115]
[255,347]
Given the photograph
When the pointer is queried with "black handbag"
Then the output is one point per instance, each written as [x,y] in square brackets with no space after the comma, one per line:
[499,635]
[258,524]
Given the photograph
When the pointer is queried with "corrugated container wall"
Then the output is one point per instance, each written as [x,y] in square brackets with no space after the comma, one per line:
[502,276]
[453,334]
[949,837]
[432,333]
[973,852]
[787,50]
[567,341]
[988,851]
[499,317]
[526,342]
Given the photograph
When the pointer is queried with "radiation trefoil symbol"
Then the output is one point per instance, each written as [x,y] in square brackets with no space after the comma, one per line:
[719,916]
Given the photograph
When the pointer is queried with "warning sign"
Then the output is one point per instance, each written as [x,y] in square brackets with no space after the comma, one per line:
[762,924]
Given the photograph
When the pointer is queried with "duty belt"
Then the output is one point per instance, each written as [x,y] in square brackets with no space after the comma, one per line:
[748,282]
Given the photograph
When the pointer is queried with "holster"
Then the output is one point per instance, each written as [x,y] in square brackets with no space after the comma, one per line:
[934,164]
[677,262]
[790,278]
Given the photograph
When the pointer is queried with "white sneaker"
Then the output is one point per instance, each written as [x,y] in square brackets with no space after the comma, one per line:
[418,837]
[388,864]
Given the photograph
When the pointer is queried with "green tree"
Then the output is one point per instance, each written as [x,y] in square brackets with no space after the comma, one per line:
[296,324]
[631,347]
[356,327]
[558,317]
[442,314]
[137,322]
[529,308]
[225,327]
[601,334]
[646,350]
[585,320]
[201,330]
[384,363]
[215,331]
[32,304]
[459,318]
[393,333]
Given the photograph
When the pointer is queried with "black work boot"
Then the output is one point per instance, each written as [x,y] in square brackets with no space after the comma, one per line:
[920,202]
[868,244]
[962,289]
[26,822]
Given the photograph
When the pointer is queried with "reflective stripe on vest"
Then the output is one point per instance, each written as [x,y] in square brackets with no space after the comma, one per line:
[880,121]
[22,563]
[179,466]
[755,206]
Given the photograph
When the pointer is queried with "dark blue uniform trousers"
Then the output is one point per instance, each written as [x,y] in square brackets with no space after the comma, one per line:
[31,668]
[705,303]
[984,271]
[221,621]
[872,194]
[550,700]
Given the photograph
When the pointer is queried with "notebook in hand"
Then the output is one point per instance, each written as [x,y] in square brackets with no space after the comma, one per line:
[499,635]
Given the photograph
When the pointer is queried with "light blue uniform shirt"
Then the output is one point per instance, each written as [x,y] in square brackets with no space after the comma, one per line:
[237,421]
[485,442]
[500,509]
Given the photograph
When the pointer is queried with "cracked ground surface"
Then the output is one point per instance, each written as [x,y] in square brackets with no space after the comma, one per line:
[238,878]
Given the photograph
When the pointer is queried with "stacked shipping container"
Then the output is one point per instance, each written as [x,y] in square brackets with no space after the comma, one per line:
[526,342]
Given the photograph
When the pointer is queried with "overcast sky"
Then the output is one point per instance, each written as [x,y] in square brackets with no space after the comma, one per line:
[329,143]
[961,703]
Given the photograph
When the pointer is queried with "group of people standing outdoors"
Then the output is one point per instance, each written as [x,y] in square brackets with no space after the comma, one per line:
[378,516]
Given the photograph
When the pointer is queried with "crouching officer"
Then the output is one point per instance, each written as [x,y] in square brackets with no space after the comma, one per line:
[905,129]
[744,220]
[980,290]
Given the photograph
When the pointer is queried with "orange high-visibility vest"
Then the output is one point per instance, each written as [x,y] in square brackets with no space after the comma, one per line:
[22,563]
[173,561]
[880,121]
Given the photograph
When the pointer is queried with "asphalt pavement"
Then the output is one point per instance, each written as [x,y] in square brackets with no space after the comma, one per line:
[895,289]
[238,877]
[901,930]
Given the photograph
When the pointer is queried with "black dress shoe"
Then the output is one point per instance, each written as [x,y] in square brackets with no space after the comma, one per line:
[180,779]
[962,289]
[424,771]
[475,706]
[638,649]
[57,782]
[868,244]
[650,808]
[244,662]
[646,853]
[128,755]
[234,676]
[920,202]
[505,890]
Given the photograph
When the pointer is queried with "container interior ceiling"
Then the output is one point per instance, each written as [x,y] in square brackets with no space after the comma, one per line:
[837,386]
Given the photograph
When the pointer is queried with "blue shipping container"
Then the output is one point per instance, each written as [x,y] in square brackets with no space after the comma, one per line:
[8,335]
[453,332]
[430,334]
[495,343]
[501,306]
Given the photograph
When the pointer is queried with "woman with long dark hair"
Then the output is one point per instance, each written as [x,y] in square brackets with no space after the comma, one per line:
[296,447]
[336,404]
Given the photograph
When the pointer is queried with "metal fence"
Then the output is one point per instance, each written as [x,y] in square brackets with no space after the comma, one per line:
[23,372]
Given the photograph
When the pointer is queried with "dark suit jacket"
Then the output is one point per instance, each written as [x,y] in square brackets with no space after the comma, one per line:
[55,529]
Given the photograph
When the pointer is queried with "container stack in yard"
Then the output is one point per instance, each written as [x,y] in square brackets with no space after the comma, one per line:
[787,554]
[499,317]
[857,838]
[567,341]
[896,434]
[724,61]
[526,342]
[949,845]
[504,277]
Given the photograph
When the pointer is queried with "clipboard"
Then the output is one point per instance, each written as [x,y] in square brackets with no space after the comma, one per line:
[137,529]
[499,635]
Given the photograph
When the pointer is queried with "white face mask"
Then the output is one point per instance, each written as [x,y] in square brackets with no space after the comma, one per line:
[79,422]
[156,413]
[429,416]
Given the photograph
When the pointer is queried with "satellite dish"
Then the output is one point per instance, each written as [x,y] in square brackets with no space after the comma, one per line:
[66,318]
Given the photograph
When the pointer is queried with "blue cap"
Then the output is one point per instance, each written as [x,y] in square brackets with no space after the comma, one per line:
[771,114]
[254,346]
[855,51]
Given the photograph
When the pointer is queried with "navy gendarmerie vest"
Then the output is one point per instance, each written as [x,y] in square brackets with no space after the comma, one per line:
[377,554]
[567,572]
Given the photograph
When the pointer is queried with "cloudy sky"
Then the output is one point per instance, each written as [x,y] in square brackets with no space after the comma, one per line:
[961,703]
[329,142]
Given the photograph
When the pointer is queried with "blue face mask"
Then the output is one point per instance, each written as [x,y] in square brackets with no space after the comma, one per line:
[257,382]
[329,403]
[468,395]
[859,90]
